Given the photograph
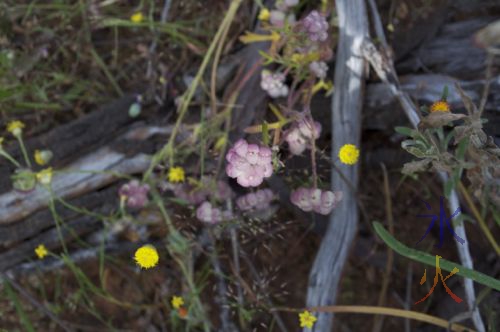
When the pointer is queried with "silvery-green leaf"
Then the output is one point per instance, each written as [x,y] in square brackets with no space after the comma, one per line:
[134,110]
[415,166]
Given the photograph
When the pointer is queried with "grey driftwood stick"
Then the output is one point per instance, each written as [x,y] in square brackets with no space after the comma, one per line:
[384,68]
[346,128]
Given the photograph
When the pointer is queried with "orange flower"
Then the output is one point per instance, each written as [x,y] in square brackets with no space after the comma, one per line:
[182,312]
[440,106]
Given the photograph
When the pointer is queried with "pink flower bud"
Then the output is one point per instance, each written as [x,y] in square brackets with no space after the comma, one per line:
[319,69]
[277,18]
[310,199]
[207,214]
[252,153]
[308,129]
[240,147]
[302,199]
[259,200]
[136,195]
[211,215]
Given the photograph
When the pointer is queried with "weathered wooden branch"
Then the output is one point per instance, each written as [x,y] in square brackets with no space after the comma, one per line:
[346,125]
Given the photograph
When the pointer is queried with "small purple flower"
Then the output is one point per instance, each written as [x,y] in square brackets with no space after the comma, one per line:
[316,26]
[319,69]
[301,134]
[277,18]
[317,200]
[291,3]
[259,200]
[135,194]
[211,215]
[296,143]
[249,164]
[273,84]
[195,196]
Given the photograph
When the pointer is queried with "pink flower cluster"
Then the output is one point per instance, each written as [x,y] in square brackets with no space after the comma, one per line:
[259,200]
[317,200]
[316,26]
[135,194]
[249,163]
[193,195]
[273,84]
[210,214]
[319,69]
[300,135]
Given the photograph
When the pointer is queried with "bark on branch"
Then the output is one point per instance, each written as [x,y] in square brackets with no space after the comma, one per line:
[346,126]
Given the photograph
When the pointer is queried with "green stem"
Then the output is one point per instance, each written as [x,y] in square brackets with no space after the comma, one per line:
[425,258]
[168,148]
[9,158]
[23,149]
[480,220]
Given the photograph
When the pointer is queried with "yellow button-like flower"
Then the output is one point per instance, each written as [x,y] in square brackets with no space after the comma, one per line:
[177,302]
[137,17]
[44,176]
[15,128]
[440,106]
[307,319]
[176,174]
[146,256]
[41,251]
[264,14]
[349,154]
[42,157]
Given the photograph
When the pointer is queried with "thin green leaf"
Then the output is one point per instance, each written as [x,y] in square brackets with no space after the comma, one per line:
[444,95]
[406,131]
[448,187]
[462,147]
[448,138]
[425,258]
[265,133]
[25,322]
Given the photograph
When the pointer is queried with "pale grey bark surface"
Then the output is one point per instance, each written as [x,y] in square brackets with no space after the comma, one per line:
[347,101]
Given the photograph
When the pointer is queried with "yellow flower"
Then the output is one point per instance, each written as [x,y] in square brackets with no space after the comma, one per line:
[250,37]
[264,14]
[305,58]
[146,256]
[41,251]
[15,128]
[137,17]
[42,157]
[177,302]
[349,154]
[327,86]
[307,319]
[176,174]
[221,142]
[44,176]
[440,106]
